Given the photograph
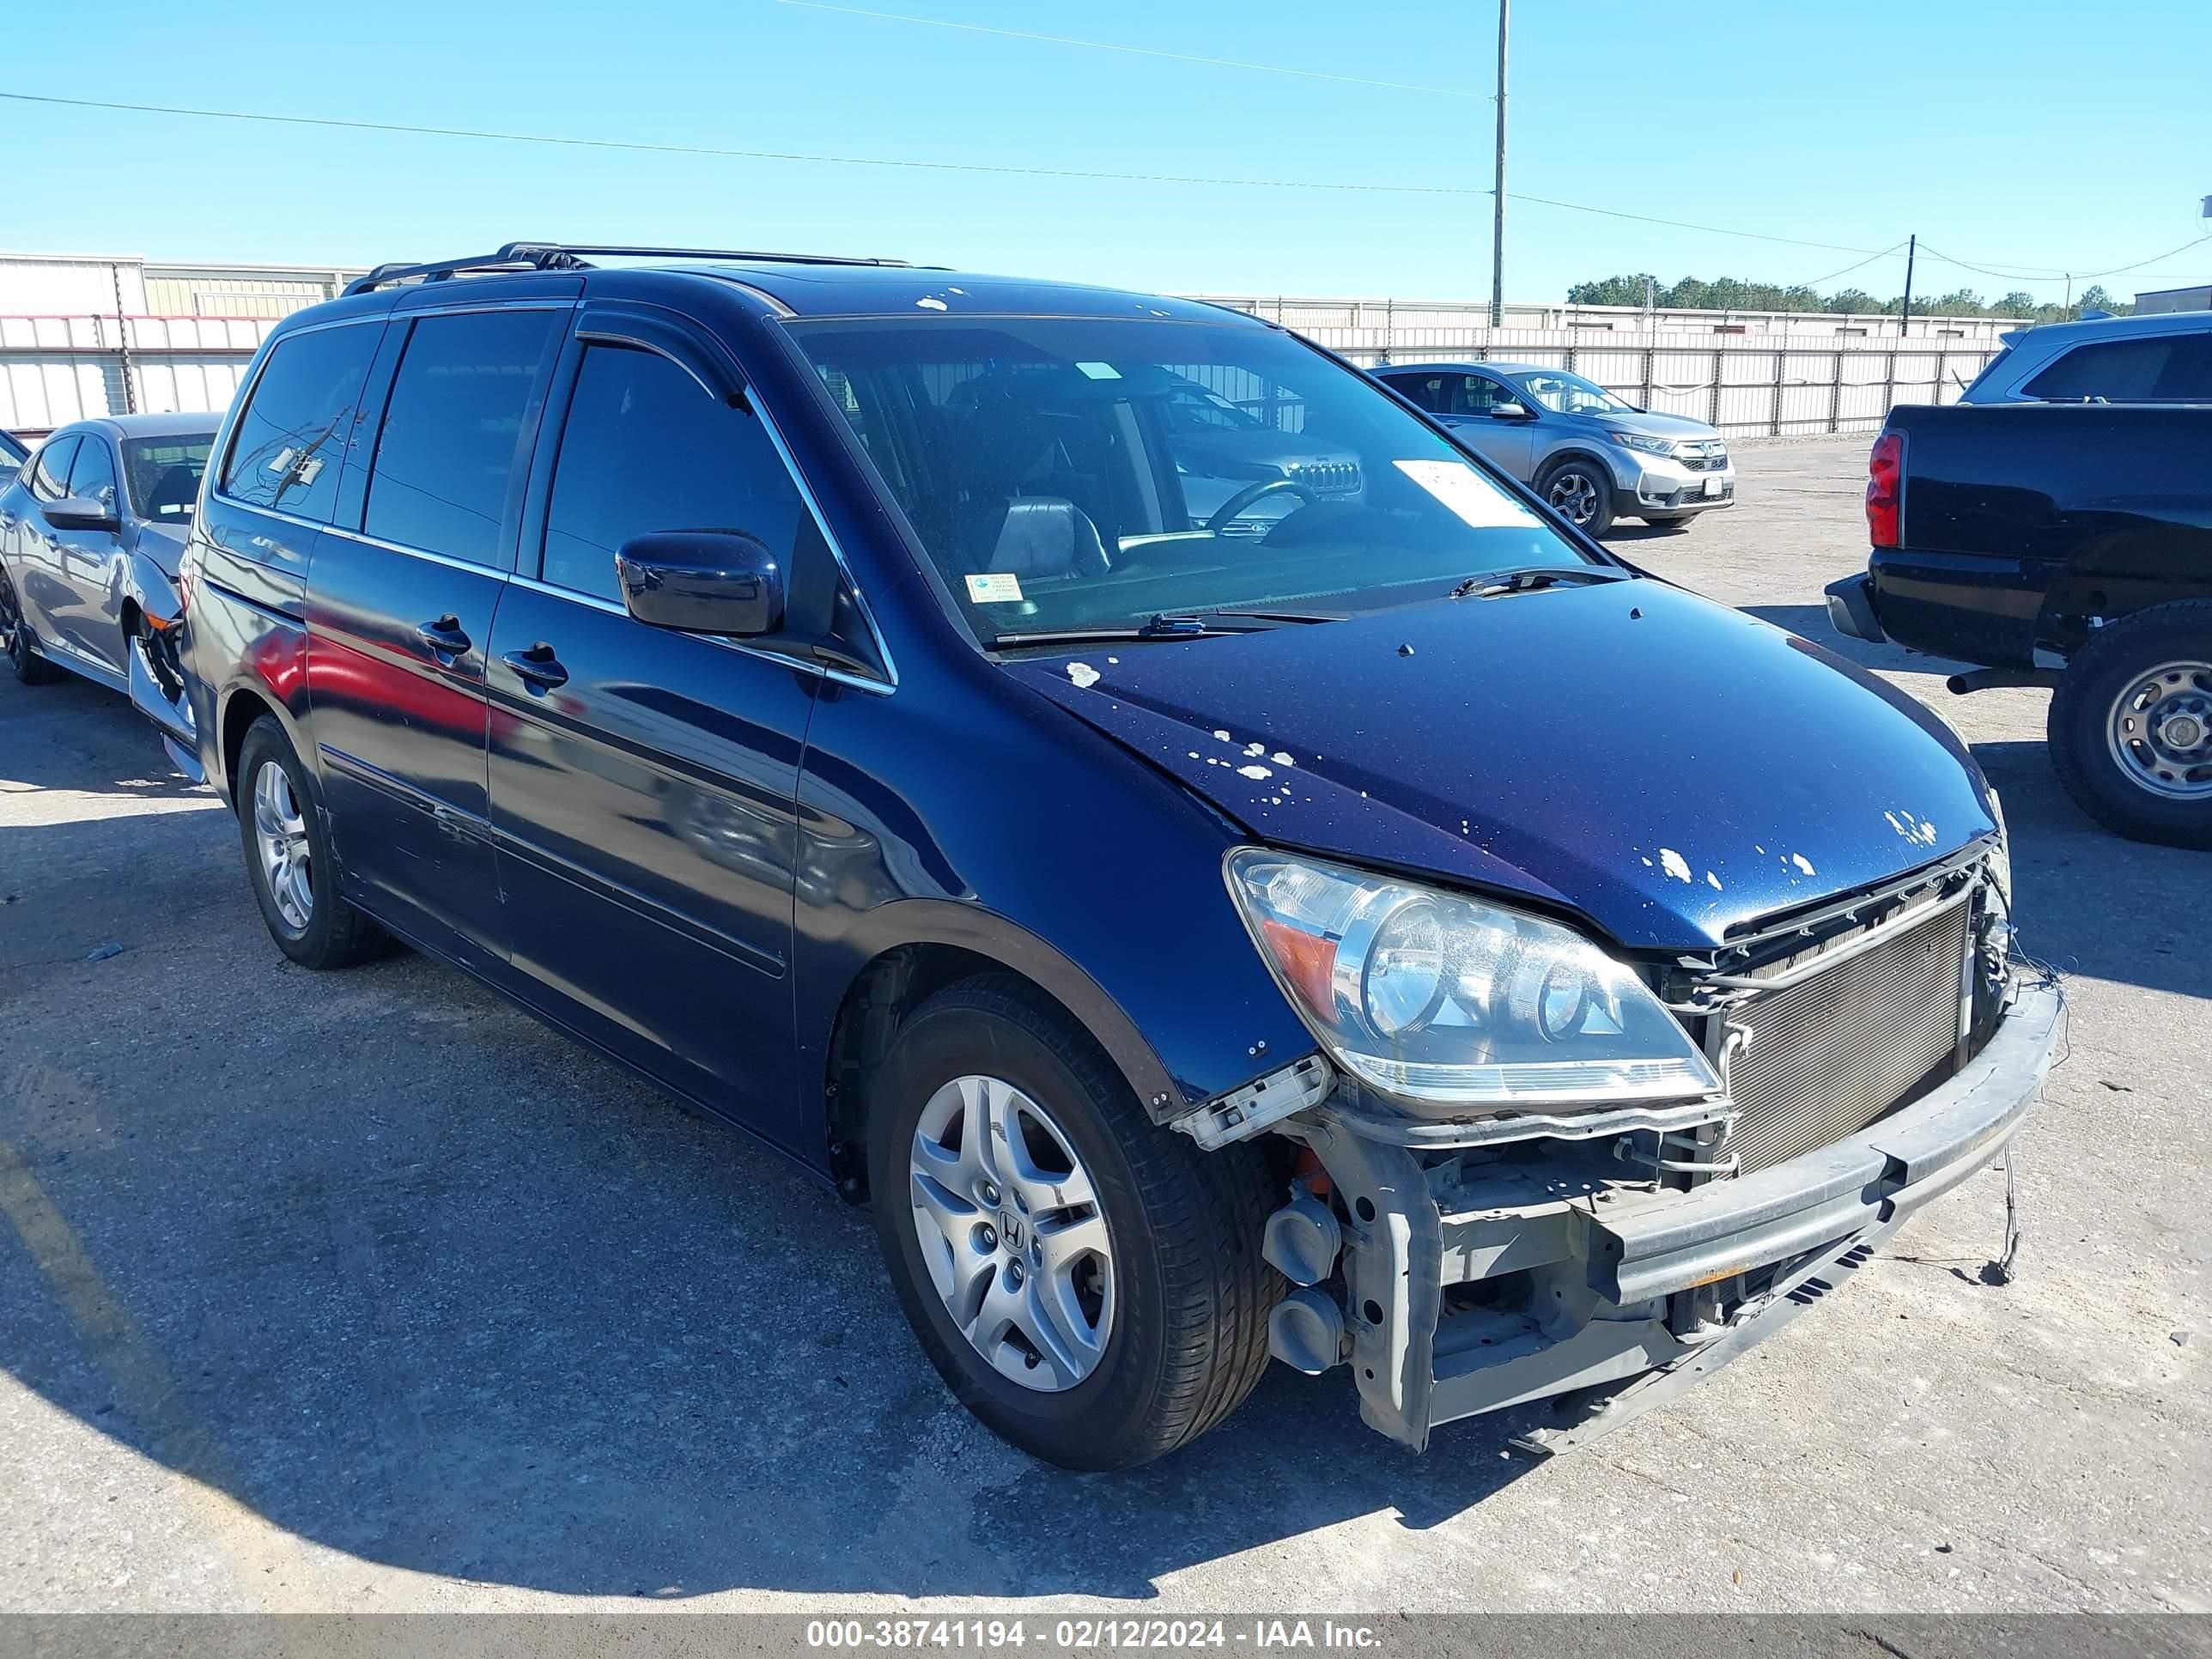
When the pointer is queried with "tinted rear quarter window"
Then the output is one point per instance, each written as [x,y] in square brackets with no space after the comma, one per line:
[2115,371]
[645,448]
[452,427]
[293,433]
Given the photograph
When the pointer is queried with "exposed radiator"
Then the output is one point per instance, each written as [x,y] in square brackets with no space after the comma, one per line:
[1830,1054]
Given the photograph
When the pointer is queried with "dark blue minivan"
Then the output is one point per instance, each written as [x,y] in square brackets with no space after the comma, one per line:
[1293,895]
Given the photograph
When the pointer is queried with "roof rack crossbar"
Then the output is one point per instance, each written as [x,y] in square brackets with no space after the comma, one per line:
[566,256]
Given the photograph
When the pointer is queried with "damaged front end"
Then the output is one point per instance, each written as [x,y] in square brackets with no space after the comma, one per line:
[1866,1054]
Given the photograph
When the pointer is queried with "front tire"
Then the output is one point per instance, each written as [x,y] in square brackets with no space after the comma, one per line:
[1580,492]
[2130,726]
[17,641]
[1087,1283]
[288,856]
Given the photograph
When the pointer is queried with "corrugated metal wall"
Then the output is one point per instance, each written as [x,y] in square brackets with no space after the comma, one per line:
[57,369]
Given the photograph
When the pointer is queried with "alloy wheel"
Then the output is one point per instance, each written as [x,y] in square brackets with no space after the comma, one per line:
[1010,1227]
[280,835]
[1574,497]
[2160,731]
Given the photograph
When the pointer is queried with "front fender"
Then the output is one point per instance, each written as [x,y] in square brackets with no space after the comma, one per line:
[1052,851]
[154,595]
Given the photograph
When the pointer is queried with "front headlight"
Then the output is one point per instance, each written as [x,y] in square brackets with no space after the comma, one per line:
[1449,1001]
[1638,441]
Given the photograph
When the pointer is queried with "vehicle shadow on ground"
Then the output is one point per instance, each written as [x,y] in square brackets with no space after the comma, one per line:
[415,1279]
[2089,902]
[68,735]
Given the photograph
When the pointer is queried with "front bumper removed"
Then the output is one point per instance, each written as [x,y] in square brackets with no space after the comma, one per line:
[1510,1282]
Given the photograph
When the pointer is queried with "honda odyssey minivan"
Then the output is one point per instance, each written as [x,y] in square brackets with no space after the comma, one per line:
[1352,918]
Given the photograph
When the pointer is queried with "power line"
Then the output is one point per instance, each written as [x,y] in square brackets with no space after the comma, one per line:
[1848,270]
[1135,51]
[1677,224]
[2030,272]
[637,145]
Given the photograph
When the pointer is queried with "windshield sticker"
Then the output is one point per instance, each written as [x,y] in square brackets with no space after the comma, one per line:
[995,588]
[1464,490]
[1100,371]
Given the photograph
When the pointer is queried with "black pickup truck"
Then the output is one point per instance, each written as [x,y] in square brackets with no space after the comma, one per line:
[2067,545]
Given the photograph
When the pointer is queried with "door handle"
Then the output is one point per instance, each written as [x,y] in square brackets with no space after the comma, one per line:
[539,668]
[444,635]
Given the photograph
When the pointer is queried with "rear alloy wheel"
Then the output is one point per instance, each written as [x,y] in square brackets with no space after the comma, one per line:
[1086,1281]
[1582,494]
[288,856]
[15,640]
[2130,726]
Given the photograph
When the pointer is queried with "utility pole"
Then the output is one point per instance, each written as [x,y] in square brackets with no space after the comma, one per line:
[1497,190]
[1905,311]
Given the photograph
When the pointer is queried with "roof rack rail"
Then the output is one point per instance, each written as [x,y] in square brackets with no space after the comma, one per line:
[570,256]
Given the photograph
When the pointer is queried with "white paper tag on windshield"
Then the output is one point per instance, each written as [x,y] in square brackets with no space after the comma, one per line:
[1469,494]
[1100,371]
[995,588]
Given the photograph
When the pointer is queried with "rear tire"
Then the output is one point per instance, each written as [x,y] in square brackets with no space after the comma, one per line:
[1172,1334]
[1581,492]
[288,856]
[2130,726]
[18,643]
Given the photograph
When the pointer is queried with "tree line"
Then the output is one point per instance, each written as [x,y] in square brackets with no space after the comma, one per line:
[1728,293]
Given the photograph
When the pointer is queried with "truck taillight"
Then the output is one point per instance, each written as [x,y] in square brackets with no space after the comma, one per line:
[1885,489]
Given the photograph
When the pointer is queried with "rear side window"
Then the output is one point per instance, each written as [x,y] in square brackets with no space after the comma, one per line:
[447,453]
[293,433]
[2164,369]
[50,473]
[645,448]
[93,475]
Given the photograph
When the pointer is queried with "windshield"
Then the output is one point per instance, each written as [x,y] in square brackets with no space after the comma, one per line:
[1068,473]
[163,475]
[1570,394]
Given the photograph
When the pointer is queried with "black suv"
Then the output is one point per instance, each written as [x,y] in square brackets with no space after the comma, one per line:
[1158,871]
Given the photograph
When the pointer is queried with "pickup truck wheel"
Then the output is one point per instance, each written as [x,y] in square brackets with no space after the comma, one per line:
[1087,1282]
[288,856]
[1580,493]
[15,641]
[2130,726]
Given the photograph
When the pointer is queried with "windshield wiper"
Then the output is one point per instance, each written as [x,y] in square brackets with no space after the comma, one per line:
[1167,625]
[1491,583]
[1286,616]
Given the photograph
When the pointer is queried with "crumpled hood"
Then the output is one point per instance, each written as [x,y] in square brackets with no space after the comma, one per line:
[1666,766]
[163,544]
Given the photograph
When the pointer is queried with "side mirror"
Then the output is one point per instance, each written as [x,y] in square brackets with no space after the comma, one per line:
[1510,412]
[81,513]
[704,582]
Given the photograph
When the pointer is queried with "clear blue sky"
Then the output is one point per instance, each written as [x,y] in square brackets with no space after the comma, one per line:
[2028,133]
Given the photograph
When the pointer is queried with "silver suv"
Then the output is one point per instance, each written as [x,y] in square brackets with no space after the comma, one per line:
[1593,456]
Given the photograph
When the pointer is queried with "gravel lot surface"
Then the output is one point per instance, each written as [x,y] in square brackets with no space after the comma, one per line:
[363,1292]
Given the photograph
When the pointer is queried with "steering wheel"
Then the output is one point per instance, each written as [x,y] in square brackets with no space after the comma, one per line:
[1230,510]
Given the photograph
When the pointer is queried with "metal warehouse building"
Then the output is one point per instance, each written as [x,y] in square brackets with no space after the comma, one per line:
[99,334]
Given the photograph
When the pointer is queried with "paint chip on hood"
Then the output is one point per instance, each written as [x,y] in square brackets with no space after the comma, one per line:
[1674,864]
[1083,673]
